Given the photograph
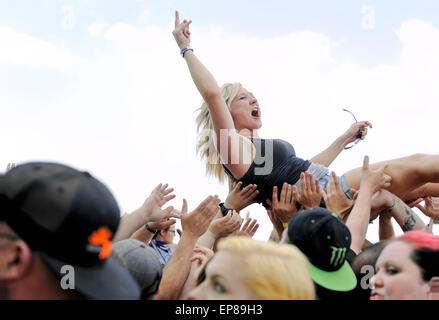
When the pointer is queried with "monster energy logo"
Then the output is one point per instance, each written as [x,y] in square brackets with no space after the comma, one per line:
[337,255]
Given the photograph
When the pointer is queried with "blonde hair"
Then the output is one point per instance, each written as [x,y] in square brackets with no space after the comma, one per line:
[205,133]
[272,271]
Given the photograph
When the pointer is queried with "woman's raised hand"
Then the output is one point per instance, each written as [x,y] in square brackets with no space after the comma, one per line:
[181,32]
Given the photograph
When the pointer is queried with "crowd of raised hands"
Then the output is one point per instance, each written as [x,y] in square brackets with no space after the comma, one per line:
[206,224]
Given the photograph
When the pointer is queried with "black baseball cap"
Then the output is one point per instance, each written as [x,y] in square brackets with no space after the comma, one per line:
[69,218]
[324,238]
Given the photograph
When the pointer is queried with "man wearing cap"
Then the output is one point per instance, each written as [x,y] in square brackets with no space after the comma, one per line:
[142,262]
[56,236]
[323,237]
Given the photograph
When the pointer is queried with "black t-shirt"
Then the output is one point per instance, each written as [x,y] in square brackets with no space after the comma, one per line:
[275,163]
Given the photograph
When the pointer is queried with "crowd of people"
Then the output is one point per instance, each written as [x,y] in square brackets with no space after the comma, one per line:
[62,235]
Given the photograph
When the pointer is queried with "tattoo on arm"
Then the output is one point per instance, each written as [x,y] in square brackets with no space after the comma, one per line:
[388,209]
[409,223]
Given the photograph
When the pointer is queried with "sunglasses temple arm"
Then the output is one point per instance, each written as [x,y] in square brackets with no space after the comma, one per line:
[351,114]
[346,141]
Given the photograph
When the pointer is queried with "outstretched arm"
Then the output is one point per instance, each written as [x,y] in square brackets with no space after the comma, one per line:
[385,229]
[210,91]
[199,260]
[335,198]
[387,205]
[221,226]
[358,220]
[327,156]
[177,269]
[151,210]
[144,235]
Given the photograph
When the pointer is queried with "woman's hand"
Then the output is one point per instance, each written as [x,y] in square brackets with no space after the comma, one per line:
[351,134]
[181,32]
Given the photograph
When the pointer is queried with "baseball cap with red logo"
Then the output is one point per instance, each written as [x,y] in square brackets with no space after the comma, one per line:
[69,218]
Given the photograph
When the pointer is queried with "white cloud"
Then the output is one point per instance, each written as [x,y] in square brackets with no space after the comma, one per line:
[144,16]
[95,29]
[126,111]
[22,50]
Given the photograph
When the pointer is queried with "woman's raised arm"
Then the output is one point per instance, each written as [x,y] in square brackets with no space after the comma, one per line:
[206,84]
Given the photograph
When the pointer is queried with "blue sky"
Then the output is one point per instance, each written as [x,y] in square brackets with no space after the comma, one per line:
[340,20]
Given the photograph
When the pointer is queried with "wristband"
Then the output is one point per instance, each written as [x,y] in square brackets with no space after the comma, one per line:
[150,230]
[285,224]
[223,208]
[184,49]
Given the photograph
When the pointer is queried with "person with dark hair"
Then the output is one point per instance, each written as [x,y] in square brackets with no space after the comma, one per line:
[161,242]
[406,266]
[364,268]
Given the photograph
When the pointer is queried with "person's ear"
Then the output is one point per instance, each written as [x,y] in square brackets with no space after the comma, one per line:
[15,261]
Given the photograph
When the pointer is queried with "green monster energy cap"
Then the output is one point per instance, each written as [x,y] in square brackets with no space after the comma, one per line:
[324,238]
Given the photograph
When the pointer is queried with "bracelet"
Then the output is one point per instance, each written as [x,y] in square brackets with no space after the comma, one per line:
[184,49]
[285,224]
[149,229]
[223,208]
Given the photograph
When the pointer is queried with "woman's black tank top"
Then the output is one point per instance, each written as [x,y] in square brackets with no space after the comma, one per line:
[275,163]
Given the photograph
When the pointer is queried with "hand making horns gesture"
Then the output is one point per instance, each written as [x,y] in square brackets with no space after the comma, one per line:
[181,32]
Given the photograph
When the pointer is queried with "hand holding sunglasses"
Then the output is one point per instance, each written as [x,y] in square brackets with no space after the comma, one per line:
[356,132]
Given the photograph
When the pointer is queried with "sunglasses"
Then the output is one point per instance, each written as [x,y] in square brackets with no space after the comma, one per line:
[357,135]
